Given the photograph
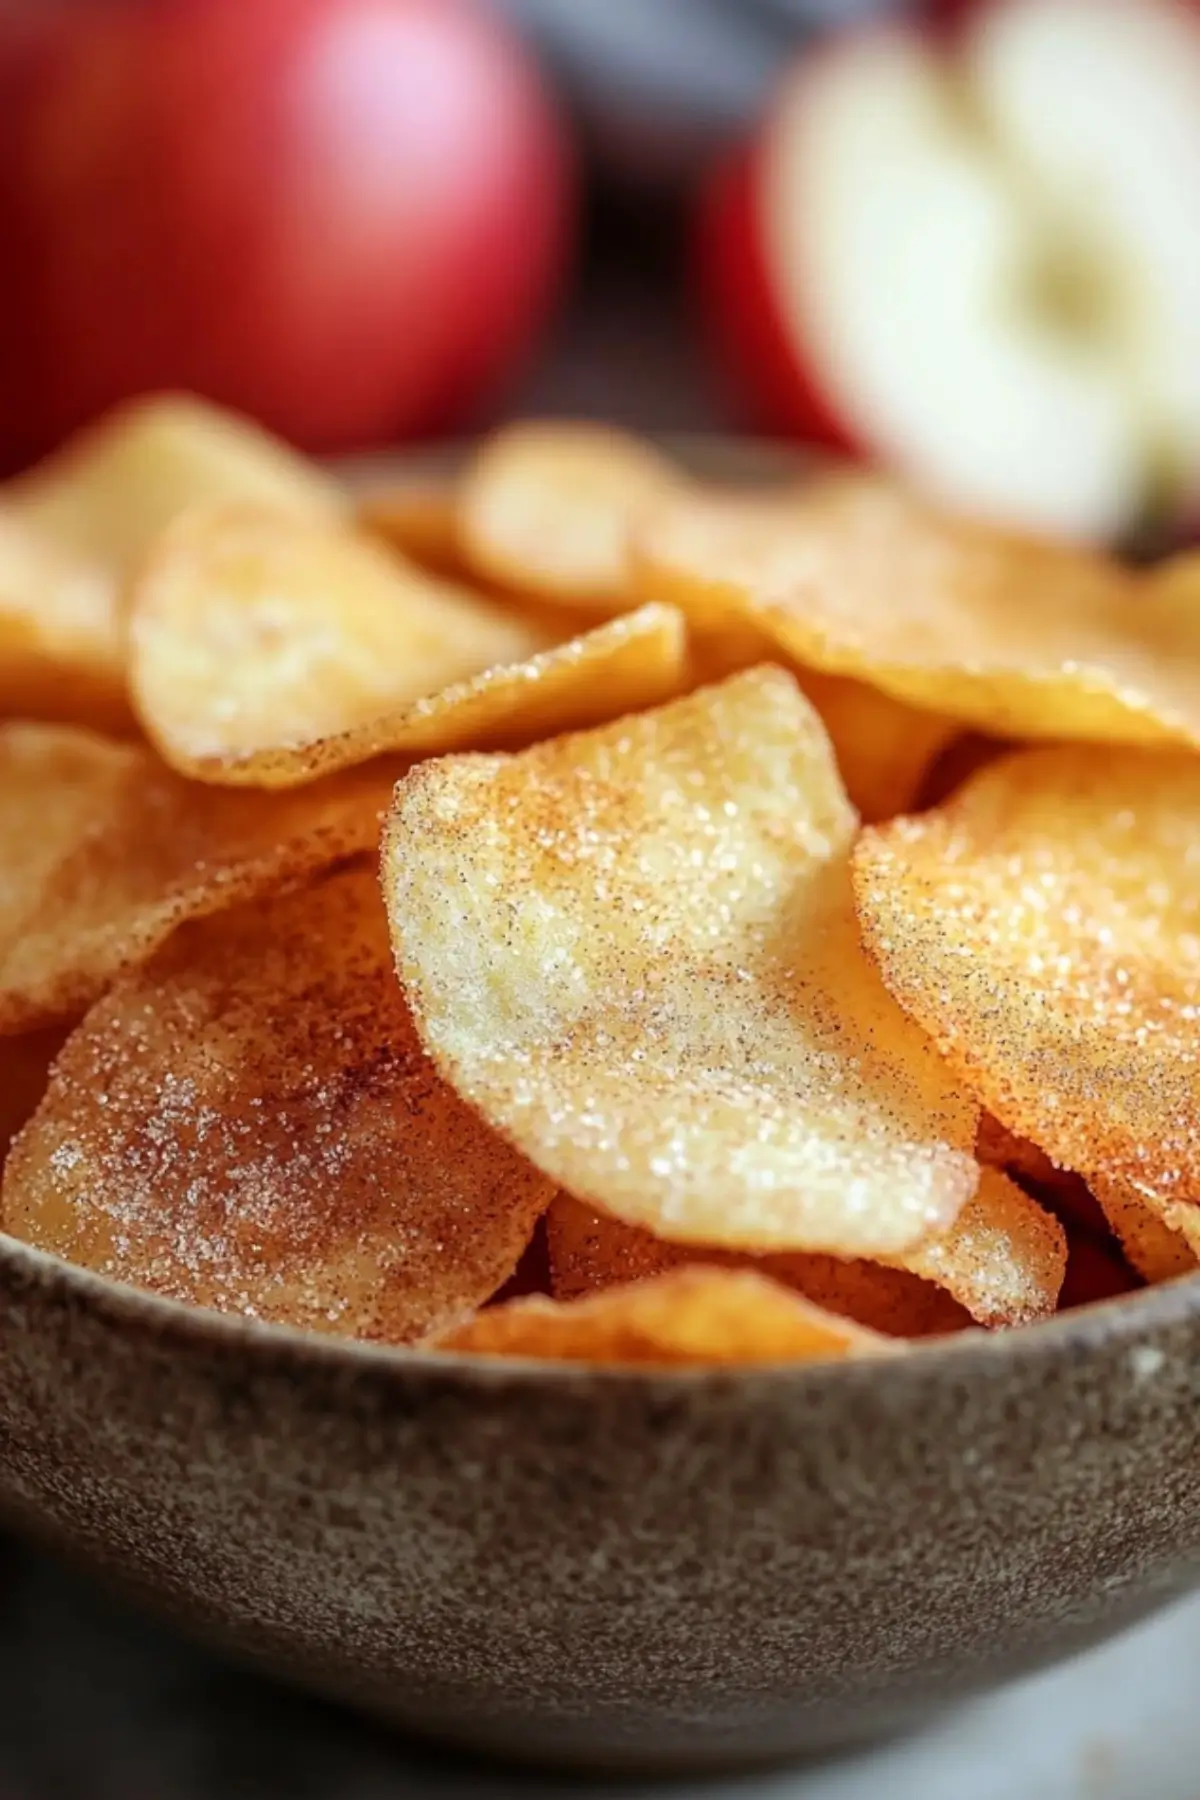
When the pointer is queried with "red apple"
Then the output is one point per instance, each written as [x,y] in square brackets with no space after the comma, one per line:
[946,16]
[749,331]
[980,264]
[345,217]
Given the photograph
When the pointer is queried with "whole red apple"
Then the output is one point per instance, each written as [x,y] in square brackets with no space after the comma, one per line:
[345,217]
[974,257]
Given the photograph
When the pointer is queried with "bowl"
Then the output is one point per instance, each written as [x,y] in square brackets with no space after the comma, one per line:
[611,1568]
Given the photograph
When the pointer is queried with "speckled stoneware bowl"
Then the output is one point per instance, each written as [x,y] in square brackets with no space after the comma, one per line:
[608,1568]
[602,1567]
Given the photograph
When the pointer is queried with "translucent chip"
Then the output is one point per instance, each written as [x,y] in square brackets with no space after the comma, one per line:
[547,510]
[74,529]
[267,653]
[1044,926]
[62,648]
[589,1251]
[116,486]
[418,517]
[853,577]
[1065,1193]
[690,1317]
[1160,1238]
[999,1148]
[248,1123]
[106,852]
[1096,1270]
[1003,1259]
[1002,1262]
[24,1071]
[885,749]
[965,754]
[634,950]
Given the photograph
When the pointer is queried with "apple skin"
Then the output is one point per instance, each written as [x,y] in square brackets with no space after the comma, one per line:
[347,218]
[771,389]
[946,18]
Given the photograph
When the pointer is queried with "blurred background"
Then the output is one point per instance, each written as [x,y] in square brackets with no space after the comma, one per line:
[960,239]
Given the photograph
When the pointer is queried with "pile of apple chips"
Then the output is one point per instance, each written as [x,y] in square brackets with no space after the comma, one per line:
[450,919]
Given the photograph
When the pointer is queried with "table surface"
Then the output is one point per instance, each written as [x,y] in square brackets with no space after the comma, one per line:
[97,1704]
[94,1702]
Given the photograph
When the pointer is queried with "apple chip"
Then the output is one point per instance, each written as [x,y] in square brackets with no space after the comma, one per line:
[999,1148]
[547,510]
[1096,1270]
[1044,927]
[418,516]
[965,754]
[589,1250]
[1017,637]
[1065,1194]
[1160,1238]
[106,852]
[74,529]
[1002,1261]
[116,487]
[268,653]
[249,1123]
[25,1063]
[635,951]
[690,1317]
[62,648]
[885,749]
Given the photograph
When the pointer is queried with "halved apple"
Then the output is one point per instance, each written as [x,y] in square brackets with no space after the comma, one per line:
[979,262]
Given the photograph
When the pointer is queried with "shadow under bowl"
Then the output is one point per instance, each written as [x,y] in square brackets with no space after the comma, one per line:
[611,1568]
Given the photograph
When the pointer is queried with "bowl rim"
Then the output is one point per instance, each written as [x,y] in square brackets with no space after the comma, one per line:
[1129,1318]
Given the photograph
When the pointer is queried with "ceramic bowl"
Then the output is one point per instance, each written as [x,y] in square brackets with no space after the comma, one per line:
[610,1568]
[603,1567]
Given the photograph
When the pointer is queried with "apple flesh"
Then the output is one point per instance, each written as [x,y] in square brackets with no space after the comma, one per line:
[344,217]
[981,265]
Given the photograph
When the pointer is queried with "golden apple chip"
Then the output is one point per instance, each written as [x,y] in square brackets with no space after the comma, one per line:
[1017,637]
[267,653]
[635,951]
[1066,1194]
[249,1123]
[1160,1238]
[62,646]
[690,1317]
[108,495]
[965,754]
[1002,1262]
[885,748]
[25,1064]
[418,516]
[1003,1259]
[590,1250]
[106,852]
[1096,1270]
[547,509]
[1044,927]
[999,1148]
[74,529]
